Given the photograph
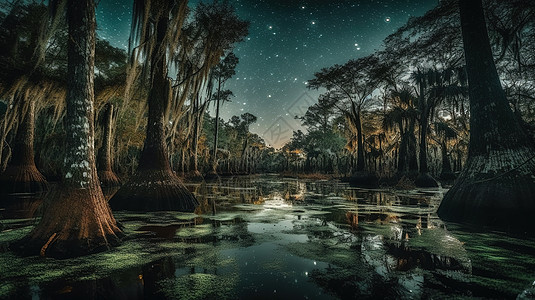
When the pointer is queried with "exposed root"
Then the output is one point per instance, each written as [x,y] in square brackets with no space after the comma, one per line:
[75,222]
[43,249]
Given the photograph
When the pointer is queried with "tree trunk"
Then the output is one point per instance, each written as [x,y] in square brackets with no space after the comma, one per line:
[361,177]
[446,173]
[105,173]
[154,186]
[424,179]
[360,144]
[243,158]
[497,185]
[22,176]
[411,149]
[213,173]
[194,173]
[76,218]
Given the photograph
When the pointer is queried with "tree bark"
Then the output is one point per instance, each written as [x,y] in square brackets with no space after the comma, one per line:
[213,173]
[76,218]
[107,177]
[154,186]
[194,173]
[497,185]
[22,176]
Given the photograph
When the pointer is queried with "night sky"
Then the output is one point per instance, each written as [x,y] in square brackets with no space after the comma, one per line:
[288,41]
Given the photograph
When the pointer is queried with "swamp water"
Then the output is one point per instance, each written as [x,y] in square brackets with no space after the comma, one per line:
[268,237]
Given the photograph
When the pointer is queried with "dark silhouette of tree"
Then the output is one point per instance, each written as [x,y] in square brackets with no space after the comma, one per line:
[76,218]
[156,26]
[323,137]
[496,187]
[350,87]
[403,116]
[107,177]
[445,133]
[243,130]
[221,73]
[23,83]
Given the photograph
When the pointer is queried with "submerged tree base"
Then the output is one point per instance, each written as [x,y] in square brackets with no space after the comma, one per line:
[75,222]
[364,179]
[108,179]
[424,180]
[447,176]
[154,190]
[22,179]
[212,176]
[194,176]
[502,199]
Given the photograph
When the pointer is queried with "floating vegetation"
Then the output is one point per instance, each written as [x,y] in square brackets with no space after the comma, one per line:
[376,246]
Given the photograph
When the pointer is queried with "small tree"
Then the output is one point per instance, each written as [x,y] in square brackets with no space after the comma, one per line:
[350,87]
[221,73]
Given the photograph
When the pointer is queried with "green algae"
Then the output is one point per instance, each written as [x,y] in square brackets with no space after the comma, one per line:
[6,289]
[11,235]
[378,257]
[199,286]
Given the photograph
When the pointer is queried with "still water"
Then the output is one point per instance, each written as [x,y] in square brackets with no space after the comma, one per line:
[267,237]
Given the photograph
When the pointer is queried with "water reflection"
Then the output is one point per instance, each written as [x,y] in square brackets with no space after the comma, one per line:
[272,237]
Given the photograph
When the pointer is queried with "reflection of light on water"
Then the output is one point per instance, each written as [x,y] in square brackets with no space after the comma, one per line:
[276,202]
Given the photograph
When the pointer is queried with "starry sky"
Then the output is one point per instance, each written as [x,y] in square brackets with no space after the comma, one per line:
[288,41]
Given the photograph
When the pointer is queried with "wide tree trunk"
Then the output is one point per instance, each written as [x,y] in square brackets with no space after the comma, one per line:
[154,186]
[76,218]
[21,175]
[105,173]
[497,184]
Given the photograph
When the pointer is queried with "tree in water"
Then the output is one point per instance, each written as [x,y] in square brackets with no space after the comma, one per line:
[403,116]
[350,87]
[107,177]
[444,134]
[76,218]
[497,185]
[156,26]
[23,84]
[426,104]
[243,130]
[21,174]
